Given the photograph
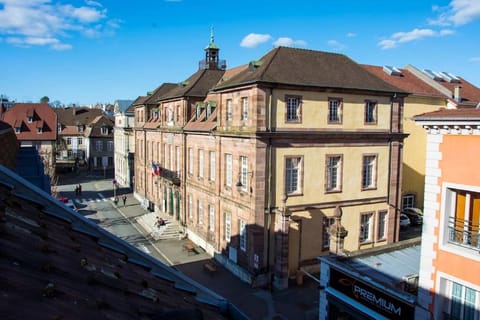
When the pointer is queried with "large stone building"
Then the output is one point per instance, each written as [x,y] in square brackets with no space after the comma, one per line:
[254,160]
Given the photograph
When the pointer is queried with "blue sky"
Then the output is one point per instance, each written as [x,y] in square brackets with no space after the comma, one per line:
[84,51]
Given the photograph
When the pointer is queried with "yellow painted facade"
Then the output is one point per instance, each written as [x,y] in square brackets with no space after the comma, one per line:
[414,155]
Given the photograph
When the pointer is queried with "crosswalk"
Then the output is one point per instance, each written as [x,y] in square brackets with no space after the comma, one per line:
[99,198]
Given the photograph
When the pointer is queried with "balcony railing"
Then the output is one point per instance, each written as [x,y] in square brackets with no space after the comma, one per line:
[463,233]
[171,176]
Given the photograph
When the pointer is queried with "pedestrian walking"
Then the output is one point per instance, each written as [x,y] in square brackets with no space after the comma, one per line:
[124,198]
[80,189]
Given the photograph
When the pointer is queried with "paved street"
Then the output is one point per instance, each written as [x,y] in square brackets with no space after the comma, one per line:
[96,203]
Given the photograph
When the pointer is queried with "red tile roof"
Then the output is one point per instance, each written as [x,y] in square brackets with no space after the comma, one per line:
[9,142]
[406,81]
[57,264]
[469,94]
[467,114]
[41,113]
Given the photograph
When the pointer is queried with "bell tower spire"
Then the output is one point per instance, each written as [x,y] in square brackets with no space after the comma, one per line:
[212,61]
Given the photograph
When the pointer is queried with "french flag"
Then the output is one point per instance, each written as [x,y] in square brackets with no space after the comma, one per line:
[154,169]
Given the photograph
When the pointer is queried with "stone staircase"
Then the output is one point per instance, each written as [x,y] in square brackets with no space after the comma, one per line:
[171,229]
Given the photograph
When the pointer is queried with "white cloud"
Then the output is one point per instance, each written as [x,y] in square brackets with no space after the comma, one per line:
[387,44]
[415,34]
[289,42]
[93,3]
[474,59]
[252,40]
[351,34]
[23,21]
[446,32]
[334,44]
[464,11]
[457,13]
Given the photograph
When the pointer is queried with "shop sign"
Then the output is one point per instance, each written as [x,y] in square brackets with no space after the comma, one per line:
[371,297]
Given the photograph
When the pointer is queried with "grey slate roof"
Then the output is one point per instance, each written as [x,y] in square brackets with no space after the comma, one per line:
[197,85]
[158,93]
[300,67]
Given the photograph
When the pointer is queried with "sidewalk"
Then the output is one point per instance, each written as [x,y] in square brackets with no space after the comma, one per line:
[296,302]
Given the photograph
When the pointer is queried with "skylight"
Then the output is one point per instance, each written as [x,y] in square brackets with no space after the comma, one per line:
[392,71]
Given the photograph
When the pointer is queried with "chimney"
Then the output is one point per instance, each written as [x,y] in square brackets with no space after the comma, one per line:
[456,94]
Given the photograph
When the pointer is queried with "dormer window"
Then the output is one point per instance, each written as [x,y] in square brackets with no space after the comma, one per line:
[200,107]
[155,113]
[104,130]
[17,130]
[210,108]
[29,119]
[80,128]
[39,130]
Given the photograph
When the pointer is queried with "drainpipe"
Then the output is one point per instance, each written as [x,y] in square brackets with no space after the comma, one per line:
[269,185]
[184,166]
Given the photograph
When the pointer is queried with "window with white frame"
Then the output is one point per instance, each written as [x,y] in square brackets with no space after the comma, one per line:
[178,159]
[110,145]
[190,206]
[293,109]
[327,222]
[165,155]
[293,169]
[243,235]
[228,170]
[366,221]
[334,110]
[409,200]
[211,218]
[190,161]
[171,155]
[382,225]
[212,166]
[200,163]
[69,141]
[463,213]
[370,112]
[244,115]
[244,172]
[463,302]
[104,130]
[80,140]
[39,130]
[80,128]
[333,173]
[228,226]
[99,145]
[199,212]
[369,165]
[229,114]
[30,119]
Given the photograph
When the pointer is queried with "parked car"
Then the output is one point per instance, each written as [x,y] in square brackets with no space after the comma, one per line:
[414,214]
[404,221]
[68,202]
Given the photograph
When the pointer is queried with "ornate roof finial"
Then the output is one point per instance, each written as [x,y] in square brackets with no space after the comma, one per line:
[211,35]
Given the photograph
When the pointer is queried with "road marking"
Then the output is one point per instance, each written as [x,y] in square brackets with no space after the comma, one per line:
[143,248]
